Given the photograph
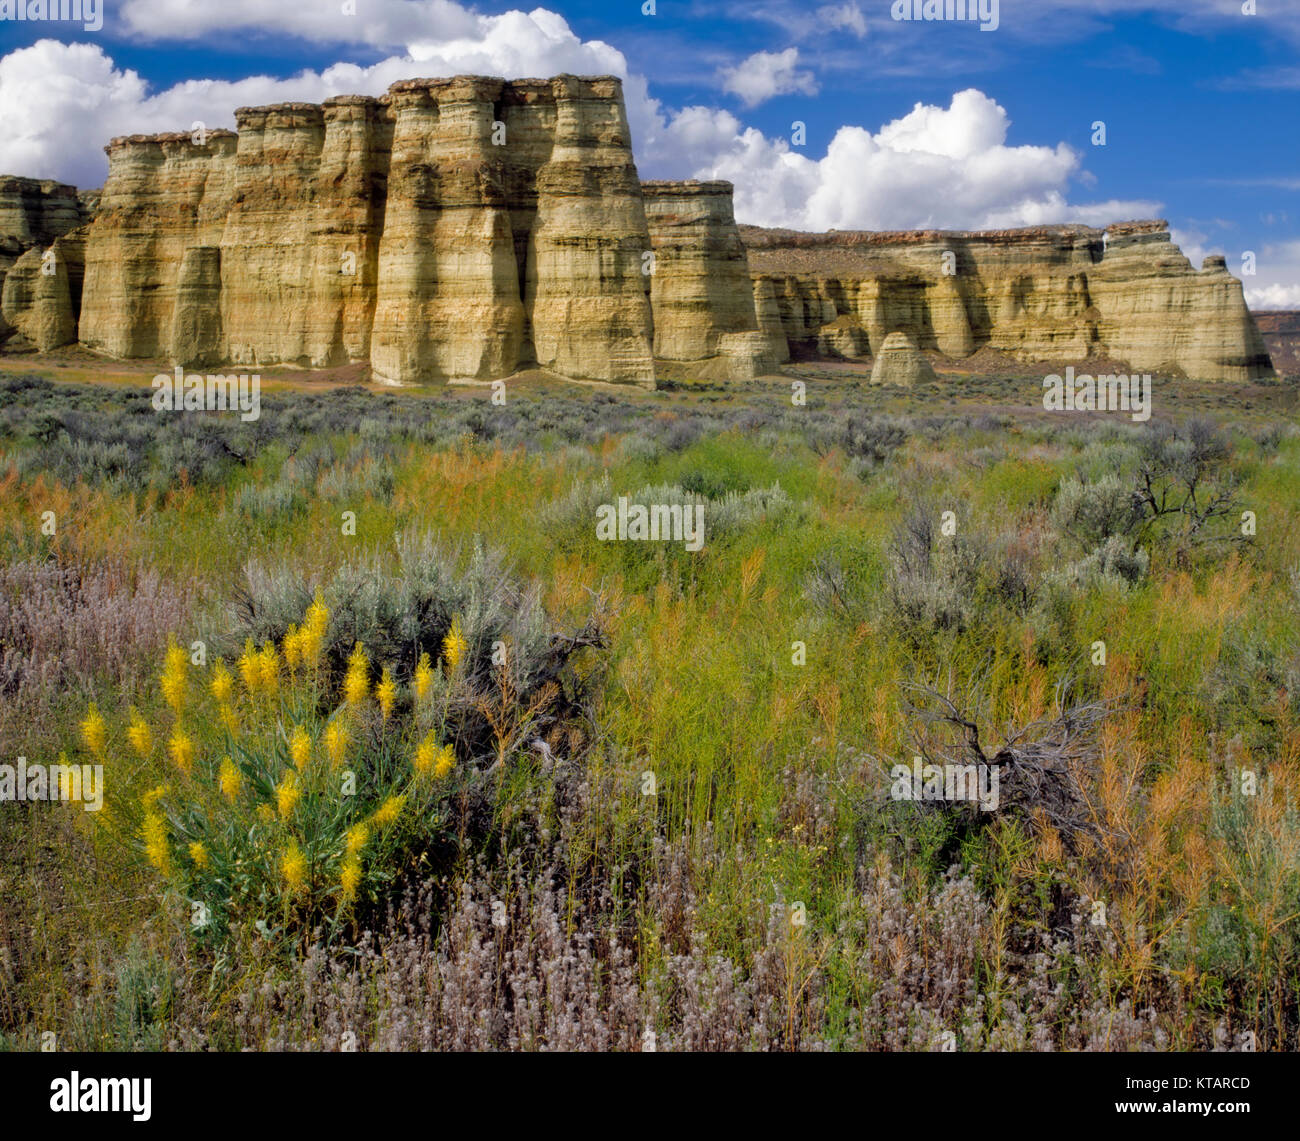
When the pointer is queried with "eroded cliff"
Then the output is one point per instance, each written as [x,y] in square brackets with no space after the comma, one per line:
[464,228]
[1045,294]
[41,259]
[452,229]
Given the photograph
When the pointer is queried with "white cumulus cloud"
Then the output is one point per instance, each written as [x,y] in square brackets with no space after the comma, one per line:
[1276,284]
[949,167]
[943,167]
[765,74]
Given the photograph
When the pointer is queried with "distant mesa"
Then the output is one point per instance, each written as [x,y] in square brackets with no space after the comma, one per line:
[465,228]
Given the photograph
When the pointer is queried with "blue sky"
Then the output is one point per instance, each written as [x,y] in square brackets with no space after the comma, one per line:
[908,123]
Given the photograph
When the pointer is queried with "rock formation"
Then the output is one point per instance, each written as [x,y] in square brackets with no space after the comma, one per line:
[36,301]
[41,259]
[463,228]
[700,286]
[1281,332]
[1050,293]
[900,363]
[453,229]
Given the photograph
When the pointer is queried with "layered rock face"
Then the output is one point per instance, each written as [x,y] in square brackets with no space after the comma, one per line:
[453,229]
[1157,313]
[586,295]
[36,301]
[41,259]
[1281,333]
[464,228]
[900,363]
[1045,294]
[700,287]
[164,194]
[33,213]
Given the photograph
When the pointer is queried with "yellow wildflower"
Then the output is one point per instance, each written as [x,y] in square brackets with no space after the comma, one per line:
[181,750]
[357,684]
[309,647]
[229,720]
[199,854]
[294,866]
[386,692]
[222,686]
[266,814]
[317,619]
[229,779]
[286,795]
[174,676]
[137,733]
[350,877]
[250,667]
[423,677]
[389,811]
[292,647]
[312,634]
[445,763]
[299,747]
[358,834]
[268,667]
[425,753]
[454,645]
[154,831]
[153,796]
[336,743]
[92,731]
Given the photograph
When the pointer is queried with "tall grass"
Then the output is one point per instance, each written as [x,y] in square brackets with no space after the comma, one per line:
[669,806]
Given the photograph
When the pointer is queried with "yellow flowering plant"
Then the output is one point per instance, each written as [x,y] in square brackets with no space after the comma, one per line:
[288,797]
[307,773]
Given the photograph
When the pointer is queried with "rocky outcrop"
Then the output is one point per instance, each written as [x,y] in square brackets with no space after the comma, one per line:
[1045,294]
[164,194]
[1160,315]
[767,312]
[900,363]
[587,301]
[36,301]
[463,228]
[453,229]
[33,213]
[449,303]
[700,288]
[41,265]
[1281,332]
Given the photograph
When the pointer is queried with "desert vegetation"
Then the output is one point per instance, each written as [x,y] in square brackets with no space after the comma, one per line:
[398,755]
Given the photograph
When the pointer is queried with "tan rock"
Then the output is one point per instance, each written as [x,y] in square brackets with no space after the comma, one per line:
[448,300]
[587,302]
[34,214]
[461,228]
[748,355]
[37,301]
[164,194]
[843,337]
[1160,315]
[701,289]
[900,363]
[195,339]
[767,312]
[1048,293]
[949,317]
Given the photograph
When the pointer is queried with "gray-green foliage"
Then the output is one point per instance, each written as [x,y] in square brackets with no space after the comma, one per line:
[1094,511]
[1111,565]
[400,603]
[724,516]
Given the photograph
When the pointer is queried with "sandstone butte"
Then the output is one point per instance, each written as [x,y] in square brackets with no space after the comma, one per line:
[466,228]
